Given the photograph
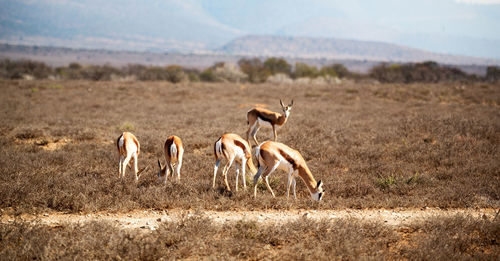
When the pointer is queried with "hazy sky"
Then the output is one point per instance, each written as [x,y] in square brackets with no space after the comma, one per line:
[470,27]
[474,18]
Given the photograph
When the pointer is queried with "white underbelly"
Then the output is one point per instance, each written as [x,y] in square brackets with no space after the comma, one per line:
[239,154]
[285,165]
[264,123]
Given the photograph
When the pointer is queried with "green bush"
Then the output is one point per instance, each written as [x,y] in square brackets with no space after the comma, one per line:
[274,66]
[335,70]
[254,69]
[19,69]
[208,75]
[493,74]
[304,70]
[175,73]
[429,72]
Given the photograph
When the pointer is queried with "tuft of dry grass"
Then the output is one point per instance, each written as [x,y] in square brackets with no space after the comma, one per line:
[373,145]
[196,237]
[456,238]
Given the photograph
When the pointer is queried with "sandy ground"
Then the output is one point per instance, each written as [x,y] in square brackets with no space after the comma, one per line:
[151,219]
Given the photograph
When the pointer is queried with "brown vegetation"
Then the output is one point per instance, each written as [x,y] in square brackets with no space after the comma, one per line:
[457,238]
[248,70]
[382,145]
[428,72]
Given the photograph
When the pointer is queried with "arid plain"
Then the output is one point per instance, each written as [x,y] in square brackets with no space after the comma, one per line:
[396,147]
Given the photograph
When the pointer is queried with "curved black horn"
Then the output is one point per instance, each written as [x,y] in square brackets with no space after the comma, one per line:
[291,104]
[281,102]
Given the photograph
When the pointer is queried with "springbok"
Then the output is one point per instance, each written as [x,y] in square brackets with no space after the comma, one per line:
[233,147]
[258,117]
[128,147]
[272,155]
[174,150]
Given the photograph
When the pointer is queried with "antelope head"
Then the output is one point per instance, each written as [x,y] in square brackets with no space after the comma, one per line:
[286,109]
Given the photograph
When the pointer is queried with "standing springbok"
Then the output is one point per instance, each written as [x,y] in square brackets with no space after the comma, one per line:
[174,150]
[258,117]
[128,147]
[233,147]
[272,155]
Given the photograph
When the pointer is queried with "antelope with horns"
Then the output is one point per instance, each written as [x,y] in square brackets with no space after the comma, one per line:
[258,117]
[174,150]
[128,147]
[272,155]
[233,147]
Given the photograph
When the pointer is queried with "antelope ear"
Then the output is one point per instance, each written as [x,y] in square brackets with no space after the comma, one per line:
[291,104]
[320,184]
[282,104]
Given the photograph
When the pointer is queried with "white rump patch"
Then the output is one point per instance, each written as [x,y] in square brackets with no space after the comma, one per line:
[173,151]
[121,142]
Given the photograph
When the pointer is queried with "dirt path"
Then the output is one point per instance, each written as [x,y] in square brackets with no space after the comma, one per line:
[150,219]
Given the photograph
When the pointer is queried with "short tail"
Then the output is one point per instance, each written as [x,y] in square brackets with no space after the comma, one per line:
[218,148]
[118,143]
[173,150]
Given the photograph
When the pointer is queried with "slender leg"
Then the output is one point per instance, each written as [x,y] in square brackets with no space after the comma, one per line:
[136,169]
[269,187]
[120,165]
[124,164]
[243,169]
[216,167]
[275,134]
[179,165]
[266,175]
[289,183]
[254,134]
[236,165]
[294,183]
[256,179]
[225,171]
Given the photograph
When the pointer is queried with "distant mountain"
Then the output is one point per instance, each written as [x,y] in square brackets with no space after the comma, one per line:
[343,28]
[180,26]
[328,48]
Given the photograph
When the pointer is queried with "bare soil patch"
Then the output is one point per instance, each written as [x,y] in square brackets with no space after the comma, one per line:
[151,219]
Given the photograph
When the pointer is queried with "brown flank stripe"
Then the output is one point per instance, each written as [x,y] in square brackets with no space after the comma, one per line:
[288,158]
[242,146]
[263,117]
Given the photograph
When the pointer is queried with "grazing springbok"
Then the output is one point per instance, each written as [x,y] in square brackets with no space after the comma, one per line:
[258,117]
[173,156]
[233,147]
[272,155]
[128,147]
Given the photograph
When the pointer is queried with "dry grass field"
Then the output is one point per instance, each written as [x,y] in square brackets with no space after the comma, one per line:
[373,145]
[197,237]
